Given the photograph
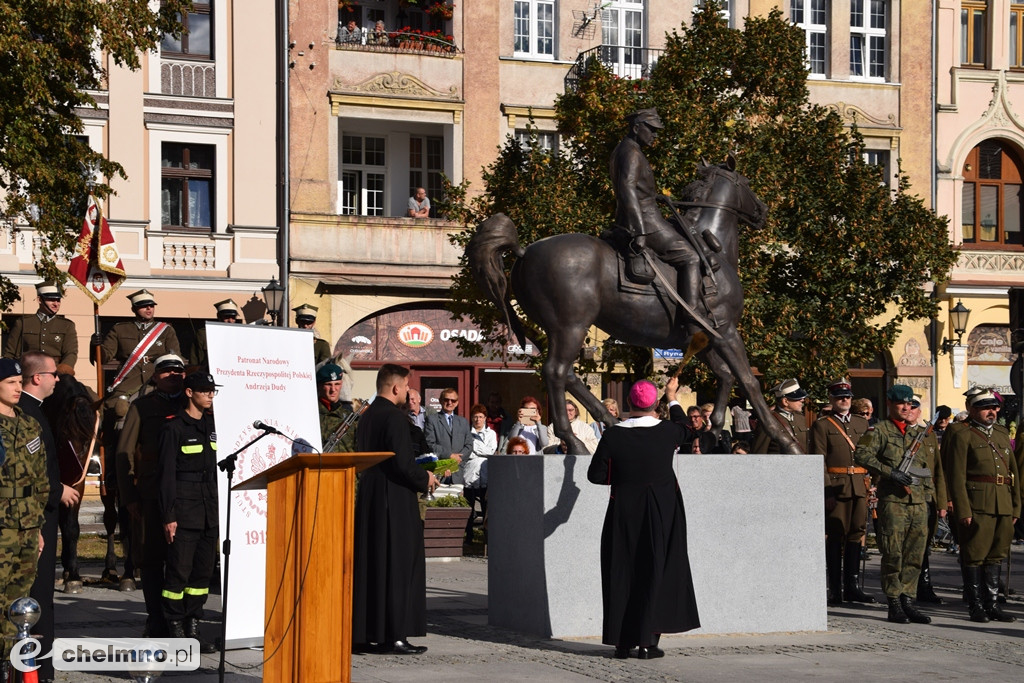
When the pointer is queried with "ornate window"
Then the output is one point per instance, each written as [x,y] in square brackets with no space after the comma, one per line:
[1017,36]
[187,185]
[867,39]
[534,28]
[195,40]
[811,16]
[991,208]
[972,32]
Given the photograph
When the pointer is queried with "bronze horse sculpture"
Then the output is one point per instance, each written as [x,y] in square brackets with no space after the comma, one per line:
[566,283]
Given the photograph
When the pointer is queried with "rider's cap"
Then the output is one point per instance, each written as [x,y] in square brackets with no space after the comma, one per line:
[916,401]
[790,389]
[648,116]
[986,399]
[169,361]
[49,291]
[305,313]
[226,309]
[141,298]
[973,391]
[840,389]
[900,393]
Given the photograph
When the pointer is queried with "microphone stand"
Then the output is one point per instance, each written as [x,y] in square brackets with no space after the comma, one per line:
[227,465]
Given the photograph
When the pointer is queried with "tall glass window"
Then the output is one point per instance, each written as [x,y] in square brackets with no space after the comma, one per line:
[534,28]
[991,204]
[362,175]
[186,185]
[195,40]
[867,39]
[973,44]
[812,17]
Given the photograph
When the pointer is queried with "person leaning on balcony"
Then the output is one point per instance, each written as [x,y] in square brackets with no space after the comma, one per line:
[419,204]
[349,33]
[380,34]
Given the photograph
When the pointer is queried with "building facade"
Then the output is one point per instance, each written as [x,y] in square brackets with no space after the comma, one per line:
[195,221]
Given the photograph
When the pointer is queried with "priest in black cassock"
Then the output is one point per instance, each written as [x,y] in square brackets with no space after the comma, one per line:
[647,589]
[389,582]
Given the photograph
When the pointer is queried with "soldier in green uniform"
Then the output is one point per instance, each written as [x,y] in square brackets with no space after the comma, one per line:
[902,500]
[936,507]
[227,312]
[789,411]
[334,410]
[305,318]
[986,502]
[45,331]
[24,489]
[846,509]
[138,449]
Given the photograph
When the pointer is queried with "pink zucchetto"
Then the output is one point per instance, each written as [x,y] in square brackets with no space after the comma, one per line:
[643,396]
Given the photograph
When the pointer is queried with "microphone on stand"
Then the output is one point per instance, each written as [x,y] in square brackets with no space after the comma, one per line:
[265,427]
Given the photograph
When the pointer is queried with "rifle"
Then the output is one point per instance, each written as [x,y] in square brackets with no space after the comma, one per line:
[908,455]
[342,429]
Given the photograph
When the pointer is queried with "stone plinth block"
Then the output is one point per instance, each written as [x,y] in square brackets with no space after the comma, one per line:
[756,543]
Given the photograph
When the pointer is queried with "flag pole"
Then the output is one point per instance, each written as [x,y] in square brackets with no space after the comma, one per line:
[98,350]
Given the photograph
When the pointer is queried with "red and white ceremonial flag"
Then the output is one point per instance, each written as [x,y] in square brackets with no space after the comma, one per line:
[96,267]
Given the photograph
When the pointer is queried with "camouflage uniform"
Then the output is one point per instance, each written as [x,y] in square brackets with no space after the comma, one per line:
[902,515]
[24,489]
[331,418]
[54,335]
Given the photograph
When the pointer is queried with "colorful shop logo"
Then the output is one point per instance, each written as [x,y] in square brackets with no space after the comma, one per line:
[415,334]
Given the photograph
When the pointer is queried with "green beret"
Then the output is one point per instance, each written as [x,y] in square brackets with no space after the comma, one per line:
[329,372]
[900,392]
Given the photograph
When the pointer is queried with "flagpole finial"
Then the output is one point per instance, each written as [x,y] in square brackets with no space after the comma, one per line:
[90,171]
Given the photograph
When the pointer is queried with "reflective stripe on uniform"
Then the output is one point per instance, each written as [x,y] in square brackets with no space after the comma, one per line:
[197,591]
[191,450]
[213,445]
[173,596]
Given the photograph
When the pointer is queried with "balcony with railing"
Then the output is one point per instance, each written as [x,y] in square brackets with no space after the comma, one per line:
[622,60]
[411,41]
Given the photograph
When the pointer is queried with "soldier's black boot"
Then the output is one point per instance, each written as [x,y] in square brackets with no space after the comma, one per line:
[912,612]
[192,631]
[834,571]
[990,594]
[176,629]
[851,576]
[896,614]
[925,591]
[972,591]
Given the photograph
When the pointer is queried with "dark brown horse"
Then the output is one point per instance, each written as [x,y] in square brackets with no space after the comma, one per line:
[566,283]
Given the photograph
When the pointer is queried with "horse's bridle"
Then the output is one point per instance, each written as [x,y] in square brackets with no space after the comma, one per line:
[749,219]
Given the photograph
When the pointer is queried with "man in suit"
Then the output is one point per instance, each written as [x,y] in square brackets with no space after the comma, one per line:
[38,379]
[789,412]
[448,434]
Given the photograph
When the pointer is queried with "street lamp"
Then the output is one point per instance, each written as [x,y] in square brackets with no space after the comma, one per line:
[272,294]
[958,316]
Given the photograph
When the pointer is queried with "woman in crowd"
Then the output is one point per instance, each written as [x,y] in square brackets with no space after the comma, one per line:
[474,468]
[580,429]
[529,426]
[517,445]
[612,406]
[646,584]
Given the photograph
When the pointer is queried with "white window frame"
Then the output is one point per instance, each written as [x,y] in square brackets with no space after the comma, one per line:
[365,169]
[214,137]
[531,29]
[871,39]
[725,12]
[623,42]
[802,13]
[547,140]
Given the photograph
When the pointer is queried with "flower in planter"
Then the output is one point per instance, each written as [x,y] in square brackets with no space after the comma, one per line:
[441,9]
[448,501]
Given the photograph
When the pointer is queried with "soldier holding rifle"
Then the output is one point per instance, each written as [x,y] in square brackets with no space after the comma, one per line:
[986,503]
[896,451]
[333,411]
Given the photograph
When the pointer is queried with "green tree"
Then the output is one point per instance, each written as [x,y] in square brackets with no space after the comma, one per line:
[841,262]
[52,56]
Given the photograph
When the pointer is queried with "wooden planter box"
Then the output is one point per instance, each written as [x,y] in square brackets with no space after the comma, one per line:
[444,530]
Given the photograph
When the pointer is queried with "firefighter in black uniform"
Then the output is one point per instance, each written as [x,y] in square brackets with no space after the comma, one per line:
[188,507]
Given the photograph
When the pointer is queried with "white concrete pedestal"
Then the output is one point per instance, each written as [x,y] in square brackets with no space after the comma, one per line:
[756,543]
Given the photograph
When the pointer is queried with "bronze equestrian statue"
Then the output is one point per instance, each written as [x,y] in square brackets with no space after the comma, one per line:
[566,283]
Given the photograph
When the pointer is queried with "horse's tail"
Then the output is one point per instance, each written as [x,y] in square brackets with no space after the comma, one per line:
[492,239]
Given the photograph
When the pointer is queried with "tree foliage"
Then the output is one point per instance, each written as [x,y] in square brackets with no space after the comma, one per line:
[842,261]
[52,57]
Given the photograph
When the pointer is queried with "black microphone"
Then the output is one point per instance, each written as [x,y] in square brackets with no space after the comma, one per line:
[265,427]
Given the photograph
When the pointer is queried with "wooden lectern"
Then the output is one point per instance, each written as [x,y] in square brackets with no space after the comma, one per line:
[310,528]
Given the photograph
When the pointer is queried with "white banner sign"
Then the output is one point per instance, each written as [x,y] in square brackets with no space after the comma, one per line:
[267,373]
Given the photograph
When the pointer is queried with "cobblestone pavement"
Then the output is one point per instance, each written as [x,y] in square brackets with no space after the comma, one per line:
[859,642]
